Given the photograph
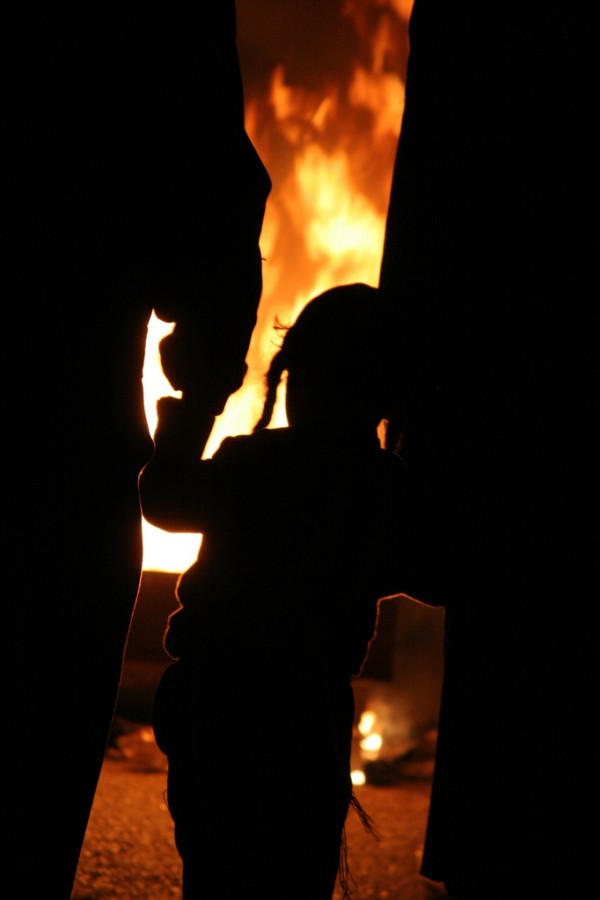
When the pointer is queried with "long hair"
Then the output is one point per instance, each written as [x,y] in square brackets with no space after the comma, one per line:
[273,377]
[338,333]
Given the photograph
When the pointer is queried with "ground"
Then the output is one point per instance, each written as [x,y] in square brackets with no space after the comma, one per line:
[129,852]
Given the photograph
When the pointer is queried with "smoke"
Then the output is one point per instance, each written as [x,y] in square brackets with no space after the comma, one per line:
[319,42]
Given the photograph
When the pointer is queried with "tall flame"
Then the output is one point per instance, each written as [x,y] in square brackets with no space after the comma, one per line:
[330,152]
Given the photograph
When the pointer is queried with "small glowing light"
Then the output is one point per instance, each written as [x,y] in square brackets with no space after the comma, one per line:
[358,777]
[367,722]
[372,743]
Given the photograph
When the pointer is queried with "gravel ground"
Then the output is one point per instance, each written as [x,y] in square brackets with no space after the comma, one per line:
[129,852]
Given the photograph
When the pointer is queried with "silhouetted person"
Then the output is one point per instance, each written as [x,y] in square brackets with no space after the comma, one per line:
[490,266]
[304,529]
[132,187]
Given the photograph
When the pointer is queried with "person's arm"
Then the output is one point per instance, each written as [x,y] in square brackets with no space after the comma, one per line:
[176,486]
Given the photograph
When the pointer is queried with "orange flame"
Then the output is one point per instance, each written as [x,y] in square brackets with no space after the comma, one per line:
[330,153]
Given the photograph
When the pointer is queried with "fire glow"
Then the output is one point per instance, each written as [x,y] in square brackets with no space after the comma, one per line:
[330,152]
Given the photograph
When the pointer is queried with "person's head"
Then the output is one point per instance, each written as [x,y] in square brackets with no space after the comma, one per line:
[337,360]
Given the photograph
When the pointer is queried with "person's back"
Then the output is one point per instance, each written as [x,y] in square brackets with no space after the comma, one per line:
[304,529]
[300,540]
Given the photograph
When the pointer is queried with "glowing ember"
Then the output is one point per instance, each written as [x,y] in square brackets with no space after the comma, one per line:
[367,722]
[358,777]
[368,745]
[372,739]
[372,743]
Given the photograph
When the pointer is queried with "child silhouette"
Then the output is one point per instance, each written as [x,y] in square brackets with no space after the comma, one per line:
[304,529]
